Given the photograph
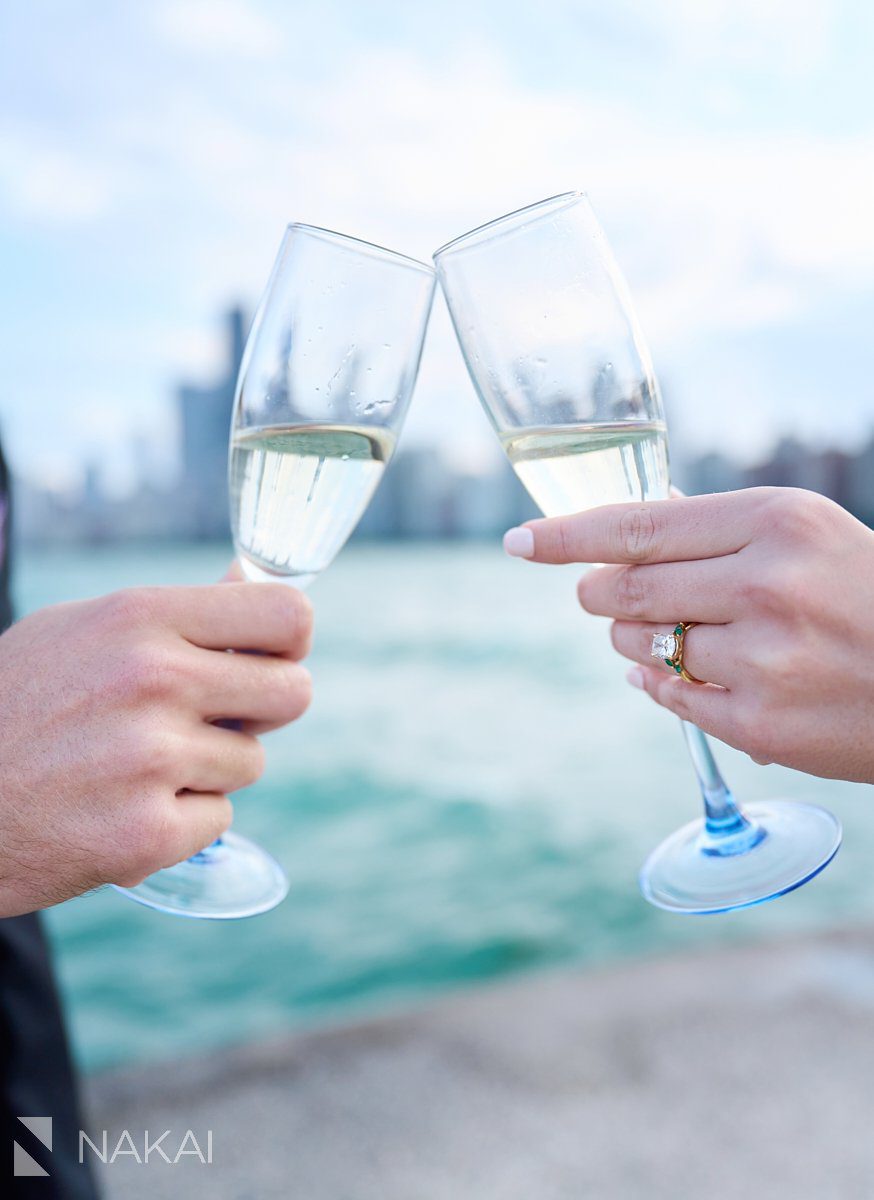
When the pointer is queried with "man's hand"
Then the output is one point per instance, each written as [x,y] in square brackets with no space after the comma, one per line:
[781,582]
[111,764]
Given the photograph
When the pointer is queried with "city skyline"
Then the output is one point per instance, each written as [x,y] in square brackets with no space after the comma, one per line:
[426,492]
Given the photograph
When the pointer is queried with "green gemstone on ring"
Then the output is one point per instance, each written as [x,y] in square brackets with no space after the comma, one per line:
[678,668]
[678,630]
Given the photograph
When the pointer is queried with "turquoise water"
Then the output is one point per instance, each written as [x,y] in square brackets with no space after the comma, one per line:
[470,795]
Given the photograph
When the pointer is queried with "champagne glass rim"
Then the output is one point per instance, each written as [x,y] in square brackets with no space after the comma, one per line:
[362,246]
[491,228]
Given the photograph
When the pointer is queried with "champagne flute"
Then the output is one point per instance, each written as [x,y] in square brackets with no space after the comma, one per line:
[546,326]
[324,386]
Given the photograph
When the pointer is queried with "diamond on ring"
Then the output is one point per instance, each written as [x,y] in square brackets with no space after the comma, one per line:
[664,646]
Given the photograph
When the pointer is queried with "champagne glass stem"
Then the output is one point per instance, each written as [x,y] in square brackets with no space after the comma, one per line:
[726,830]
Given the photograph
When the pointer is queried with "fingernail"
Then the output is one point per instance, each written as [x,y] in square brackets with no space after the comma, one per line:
[636,677]
[519,542]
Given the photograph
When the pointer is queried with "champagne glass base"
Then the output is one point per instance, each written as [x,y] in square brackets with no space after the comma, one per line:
[688,874]
[232,878]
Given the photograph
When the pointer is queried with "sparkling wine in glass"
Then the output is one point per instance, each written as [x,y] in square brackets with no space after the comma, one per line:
[324,386]
[298,491]
[553,348]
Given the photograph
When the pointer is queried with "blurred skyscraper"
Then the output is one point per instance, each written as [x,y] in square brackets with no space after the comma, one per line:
[205,421]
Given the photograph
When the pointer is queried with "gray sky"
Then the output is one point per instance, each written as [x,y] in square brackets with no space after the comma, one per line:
[152,153]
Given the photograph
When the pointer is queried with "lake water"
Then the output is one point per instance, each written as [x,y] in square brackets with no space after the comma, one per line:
[470,795]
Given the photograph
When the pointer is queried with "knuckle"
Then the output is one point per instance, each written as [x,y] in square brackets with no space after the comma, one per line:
[760,760]
[200,829]
[151,752]
[676,696]
[151,838]
[563,535]
[108,863]
[587,588]
[798,515]
[780,590]
[750,729]
[295,613]
[164,838]
[222,815]
[252,761]
[299,691]
[631,591]
[127,608]
[756,748]
[142,670]
[638,533]
[782,666]
[767,589]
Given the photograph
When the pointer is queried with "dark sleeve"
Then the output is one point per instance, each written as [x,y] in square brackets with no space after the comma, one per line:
[36,1075]
[5,531]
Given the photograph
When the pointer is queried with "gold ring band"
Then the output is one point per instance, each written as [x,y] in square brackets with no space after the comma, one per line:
[669,649]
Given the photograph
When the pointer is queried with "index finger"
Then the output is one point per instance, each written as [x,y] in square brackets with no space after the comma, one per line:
[683,528]
[239,616]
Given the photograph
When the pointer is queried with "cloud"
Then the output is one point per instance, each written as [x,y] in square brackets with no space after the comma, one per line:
[44,181]
[787,38]
[397,147]
[402,141]
[222,28]
[713,229]
[717,230]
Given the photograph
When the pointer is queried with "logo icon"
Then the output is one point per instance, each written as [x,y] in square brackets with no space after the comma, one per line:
[22,1162]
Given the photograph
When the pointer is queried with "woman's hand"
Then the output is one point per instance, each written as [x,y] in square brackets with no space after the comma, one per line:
[782,583]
